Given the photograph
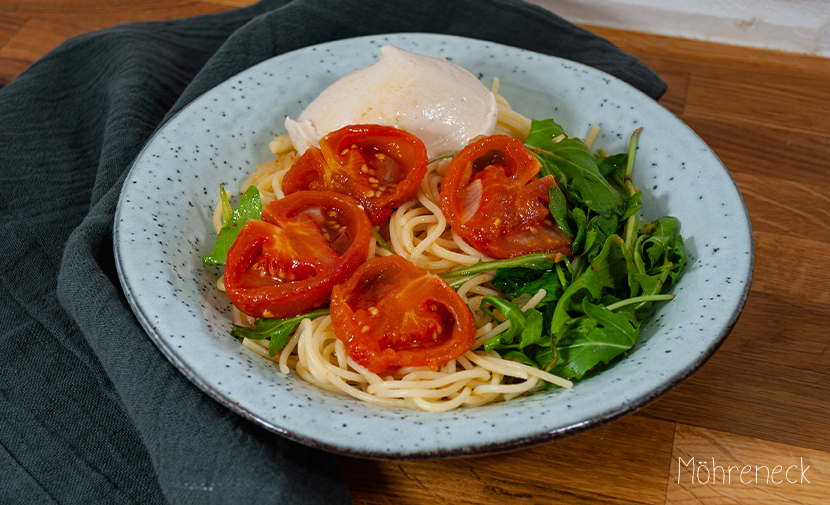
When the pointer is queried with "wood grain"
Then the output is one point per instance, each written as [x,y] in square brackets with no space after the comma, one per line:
[30,29]
[712,467]
[762,399]
[575,470]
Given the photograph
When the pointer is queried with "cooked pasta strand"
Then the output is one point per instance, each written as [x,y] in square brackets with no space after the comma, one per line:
[417,231]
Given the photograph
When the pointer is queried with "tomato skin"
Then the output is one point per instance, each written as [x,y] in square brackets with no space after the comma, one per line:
[287,263]
[492,198]
[379,166]
[391,314]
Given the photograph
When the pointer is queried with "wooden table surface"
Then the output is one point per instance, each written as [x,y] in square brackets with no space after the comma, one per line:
[763,400]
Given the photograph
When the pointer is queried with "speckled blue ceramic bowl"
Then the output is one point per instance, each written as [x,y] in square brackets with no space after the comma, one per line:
[163,227]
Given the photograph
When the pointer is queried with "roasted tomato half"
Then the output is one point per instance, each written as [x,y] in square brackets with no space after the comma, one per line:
[391,314]
[380,166]
[492,197]
[287,264]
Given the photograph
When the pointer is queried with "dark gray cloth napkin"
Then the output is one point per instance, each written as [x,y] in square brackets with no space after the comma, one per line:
[90,410]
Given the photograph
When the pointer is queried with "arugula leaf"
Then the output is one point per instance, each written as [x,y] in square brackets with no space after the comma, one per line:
[599,229]
[611,264]
[677,256]
[559,209]
[659,253]
[589,281]
[250,207]
[538,261]
[514,282]
[598,337]
[277,330]
[581,220]
[609,164]
[520,357]
[594,304]
[632,205]
[512,312]
[571,158]
[525,340]
[542,131]
[532,332]
[545,357]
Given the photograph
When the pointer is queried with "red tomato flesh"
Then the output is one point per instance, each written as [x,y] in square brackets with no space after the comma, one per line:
[391,314]
[380,166]
[492,197]
[287,264]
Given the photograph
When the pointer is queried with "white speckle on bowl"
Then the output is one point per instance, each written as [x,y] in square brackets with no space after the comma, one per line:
[163,227]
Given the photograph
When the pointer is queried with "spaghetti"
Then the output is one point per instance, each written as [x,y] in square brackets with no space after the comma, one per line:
[418,232]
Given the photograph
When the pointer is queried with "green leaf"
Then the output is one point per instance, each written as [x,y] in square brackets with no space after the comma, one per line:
[515,282]
[663,227]
[279,331]
[542,131]
[538,261]
[603,227]
[677,257]
[250,207]
[532,332]
[559,209]
[575,160]
[659,257]
[520,356]
[625,330]
[528,326]
[598,337]
[587,284]
[610,164]
[611,264]
[581,220]
[650,284]
[632,205]
[513,314]
[532,347]
[616,259]
[544,355]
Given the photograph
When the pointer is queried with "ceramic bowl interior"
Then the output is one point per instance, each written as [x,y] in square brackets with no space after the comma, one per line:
[163,227]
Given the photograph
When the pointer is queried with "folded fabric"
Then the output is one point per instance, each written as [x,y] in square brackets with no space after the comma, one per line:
[91,412]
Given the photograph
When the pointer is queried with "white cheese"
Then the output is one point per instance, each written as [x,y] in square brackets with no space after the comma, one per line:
[437,101]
